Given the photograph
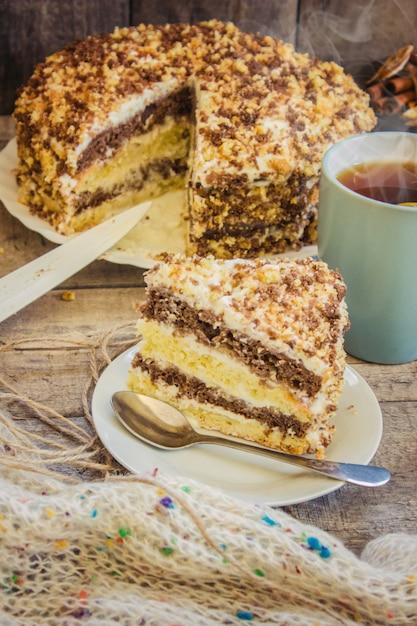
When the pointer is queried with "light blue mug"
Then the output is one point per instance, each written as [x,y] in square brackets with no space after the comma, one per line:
[374,246]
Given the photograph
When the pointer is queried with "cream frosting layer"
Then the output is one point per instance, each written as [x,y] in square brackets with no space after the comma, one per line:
[220,370]
[213,417]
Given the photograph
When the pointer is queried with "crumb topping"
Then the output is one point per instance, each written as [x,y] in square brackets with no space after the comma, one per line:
[296,306]
[266,107]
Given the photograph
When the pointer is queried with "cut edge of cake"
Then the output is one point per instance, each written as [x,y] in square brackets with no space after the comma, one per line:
[250,348]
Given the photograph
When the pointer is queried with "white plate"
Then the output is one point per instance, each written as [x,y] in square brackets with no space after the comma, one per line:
[163,229]
[242,475]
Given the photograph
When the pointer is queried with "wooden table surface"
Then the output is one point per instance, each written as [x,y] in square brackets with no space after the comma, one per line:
[104,293]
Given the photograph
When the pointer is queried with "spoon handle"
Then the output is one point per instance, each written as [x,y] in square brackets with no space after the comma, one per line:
[365,475]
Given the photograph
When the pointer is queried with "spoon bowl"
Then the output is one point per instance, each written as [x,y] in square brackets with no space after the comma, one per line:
[159,424]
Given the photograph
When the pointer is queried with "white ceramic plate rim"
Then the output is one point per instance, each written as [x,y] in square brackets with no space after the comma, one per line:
[161,230]
[242,475]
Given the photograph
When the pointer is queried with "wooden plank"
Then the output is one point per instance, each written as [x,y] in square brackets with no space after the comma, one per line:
[356,34]
[19,245]
[32,29]
[7,130]
[357,515]
[93,310]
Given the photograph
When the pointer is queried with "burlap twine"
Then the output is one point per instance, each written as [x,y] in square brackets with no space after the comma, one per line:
[82,541]
[69,445]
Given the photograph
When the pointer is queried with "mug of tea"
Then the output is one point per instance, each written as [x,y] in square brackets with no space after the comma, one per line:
[367,229]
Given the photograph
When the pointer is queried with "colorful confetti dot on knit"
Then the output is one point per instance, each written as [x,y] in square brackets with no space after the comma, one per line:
[81,612]
[167,502]
[325,553]
[246,615]
[314,544]
[223,547]
[271,522]
[259,572]
[186,489]
[94,513]
[167,550]
[12,583]
[124,532]
[83,595]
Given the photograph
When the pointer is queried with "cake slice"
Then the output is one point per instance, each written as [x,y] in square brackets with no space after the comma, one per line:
[249,348]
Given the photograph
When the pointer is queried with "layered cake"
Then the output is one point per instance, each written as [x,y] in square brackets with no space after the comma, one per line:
[249,348]
[239,121]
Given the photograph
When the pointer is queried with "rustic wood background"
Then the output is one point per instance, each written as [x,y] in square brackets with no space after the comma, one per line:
[357,33]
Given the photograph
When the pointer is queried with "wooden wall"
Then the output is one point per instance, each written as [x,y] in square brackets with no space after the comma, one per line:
[356,33]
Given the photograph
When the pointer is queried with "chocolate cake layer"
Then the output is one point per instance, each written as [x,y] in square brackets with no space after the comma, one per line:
[177,105]
[192,387]
[164,307]
[164,169]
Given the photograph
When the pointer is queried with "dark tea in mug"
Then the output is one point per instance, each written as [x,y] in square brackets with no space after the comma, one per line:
[373,243]
[385,181]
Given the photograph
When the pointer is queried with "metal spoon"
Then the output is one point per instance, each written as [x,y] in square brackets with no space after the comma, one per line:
[163,426]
